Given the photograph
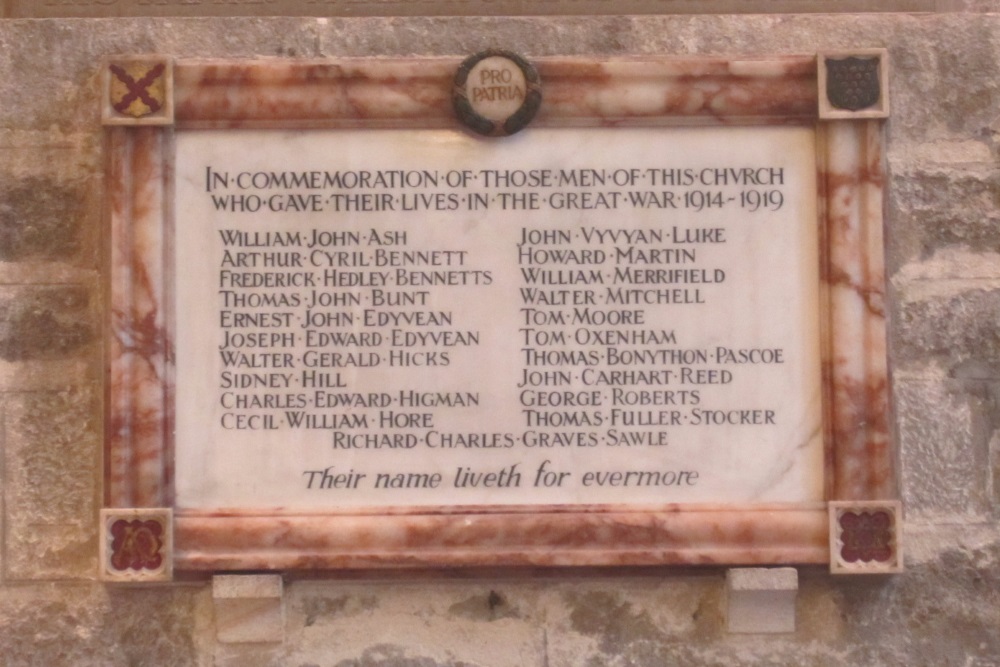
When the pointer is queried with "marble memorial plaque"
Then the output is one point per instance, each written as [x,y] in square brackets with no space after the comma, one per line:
[348,331]
[404,317]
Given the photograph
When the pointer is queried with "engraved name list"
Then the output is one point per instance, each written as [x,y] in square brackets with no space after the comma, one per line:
[389,317]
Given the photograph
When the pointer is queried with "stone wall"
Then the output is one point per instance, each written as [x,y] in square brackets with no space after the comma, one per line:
[943,247]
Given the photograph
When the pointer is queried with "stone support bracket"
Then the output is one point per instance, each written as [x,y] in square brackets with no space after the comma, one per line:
[761,599]
[249,608]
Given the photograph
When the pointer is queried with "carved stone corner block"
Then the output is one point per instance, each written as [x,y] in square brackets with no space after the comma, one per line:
[138,90]
[249,608]
[761,599]
[853,84]
[136,545]
[866,537]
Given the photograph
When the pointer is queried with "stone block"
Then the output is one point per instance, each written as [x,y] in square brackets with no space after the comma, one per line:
[944,468]
[51,458]
[249,608]
[761,600]
[463,36]
[946,323]
[44,323]
[415,623]
[50,200]
[653,620]
[981,379]
[40,218]
[90,625]
[942,611]
[47,375]
[967,216]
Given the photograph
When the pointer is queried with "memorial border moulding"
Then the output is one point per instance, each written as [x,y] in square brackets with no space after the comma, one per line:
[149,99]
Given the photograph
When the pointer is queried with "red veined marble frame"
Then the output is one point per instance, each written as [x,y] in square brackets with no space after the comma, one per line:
[860,469]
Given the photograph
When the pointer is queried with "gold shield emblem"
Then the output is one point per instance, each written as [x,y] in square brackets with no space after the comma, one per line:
[137,89]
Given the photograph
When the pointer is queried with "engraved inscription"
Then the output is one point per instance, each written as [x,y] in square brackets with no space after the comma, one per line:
[391,318]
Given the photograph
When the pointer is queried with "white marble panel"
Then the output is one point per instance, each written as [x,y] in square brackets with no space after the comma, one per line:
[702,239]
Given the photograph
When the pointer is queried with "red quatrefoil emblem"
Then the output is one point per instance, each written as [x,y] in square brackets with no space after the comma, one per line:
[136,545]
[866,536]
